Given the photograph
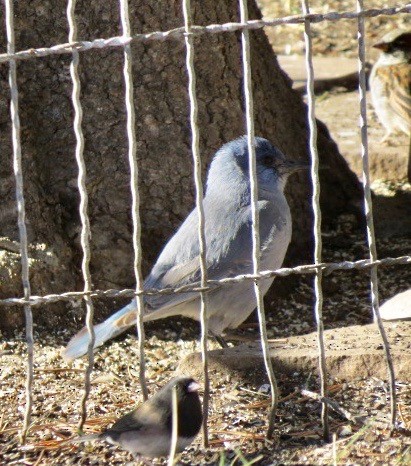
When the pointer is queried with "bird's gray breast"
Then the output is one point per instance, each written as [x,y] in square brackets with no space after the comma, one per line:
[275,231]
[233,303]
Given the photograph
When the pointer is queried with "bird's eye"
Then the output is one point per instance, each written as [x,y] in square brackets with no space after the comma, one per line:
[268,161]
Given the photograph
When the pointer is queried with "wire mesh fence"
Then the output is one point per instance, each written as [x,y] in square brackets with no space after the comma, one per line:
[319,269]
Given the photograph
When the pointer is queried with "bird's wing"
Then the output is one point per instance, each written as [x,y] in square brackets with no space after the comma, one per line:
[400,97]
[228,240]
[126,316]
[142,417]
[229,253]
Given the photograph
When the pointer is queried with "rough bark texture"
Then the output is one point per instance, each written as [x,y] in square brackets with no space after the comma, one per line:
[163,133]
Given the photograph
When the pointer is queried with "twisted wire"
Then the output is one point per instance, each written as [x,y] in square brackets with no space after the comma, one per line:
[315,201]
[83,207]
[369,213]
[21,218]
[327,268]
[179,33]
[195,148]
[249,113]
[135,196]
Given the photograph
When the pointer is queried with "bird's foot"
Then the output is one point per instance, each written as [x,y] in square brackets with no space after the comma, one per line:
[138,461]
[220,340]
[387,139]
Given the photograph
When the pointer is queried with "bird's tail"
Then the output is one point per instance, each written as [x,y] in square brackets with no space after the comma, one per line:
[113,326]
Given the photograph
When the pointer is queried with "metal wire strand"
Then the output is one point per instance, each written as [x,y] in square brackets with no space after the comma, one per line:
[21,217]
[249,110]
[135,208]
[369,213]
[179,33]
[195,148]
[315,201]
[174,427]
[327,268]
[83,207]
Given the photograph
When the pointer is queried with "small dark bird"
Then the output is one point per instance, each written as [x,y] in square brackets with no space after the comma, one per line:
[147,430]
[390,82]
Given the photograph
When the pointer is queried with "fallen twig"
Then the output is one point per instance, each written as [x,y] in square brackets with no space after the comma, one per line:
[236,433]
[39,458]
[332,404]
[57,369]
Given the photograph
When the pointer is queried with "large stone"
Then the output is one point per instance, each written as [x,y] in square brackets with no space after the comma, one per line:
[352,353]
[398,307]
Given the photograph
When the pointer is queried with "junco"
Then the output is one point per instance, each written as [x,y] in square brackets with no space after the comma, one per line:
[147,430]
[390,82]
[228,228]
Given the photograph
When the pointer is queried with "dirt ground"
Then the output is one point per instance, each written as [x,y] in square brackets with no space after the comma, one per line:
[239,404]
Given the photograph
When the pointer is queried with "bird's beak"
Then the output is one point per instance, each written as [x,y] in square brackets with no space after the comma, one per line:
[381,46]
[291,166]
[193,387]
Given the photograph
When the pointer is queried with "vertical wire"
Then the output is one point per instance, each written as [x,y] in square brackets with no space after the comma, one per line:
[315,201]
[83,208]
[21,216]
[245,42]
[195,148]
[369,212]
[135,209]
[174,427]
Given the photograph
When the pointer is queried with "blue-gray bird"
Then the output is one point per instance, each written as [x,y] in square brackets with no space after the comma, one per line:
[228,230]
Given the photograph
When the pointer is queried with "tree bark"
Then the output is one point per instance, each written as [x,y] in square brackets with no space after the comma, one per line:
[163,133]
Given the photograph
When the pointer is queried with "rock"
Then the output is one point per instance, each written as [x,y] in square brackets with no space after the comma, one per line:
[47,269]
[354,352]
[398,307]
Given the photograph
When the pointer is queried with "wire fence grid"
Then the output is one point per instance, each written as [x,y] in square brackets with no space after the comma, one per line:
[318,268]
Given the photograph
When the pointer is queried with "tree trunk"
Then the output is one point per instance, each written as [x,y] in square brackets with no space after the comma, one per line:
[163,133]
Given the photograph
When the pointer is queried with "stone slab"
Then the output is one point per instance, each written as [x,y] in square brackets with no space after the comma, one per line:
[397,307]
[354,352]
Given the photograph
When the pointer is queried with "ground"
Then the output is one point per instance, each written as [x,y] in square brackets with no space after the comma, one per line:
[239,405]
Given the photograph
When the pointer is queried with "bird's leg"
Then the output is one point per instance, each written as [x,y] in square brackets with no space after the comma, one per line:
[386,139]
[219,339]
[138,460]
[177,458]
